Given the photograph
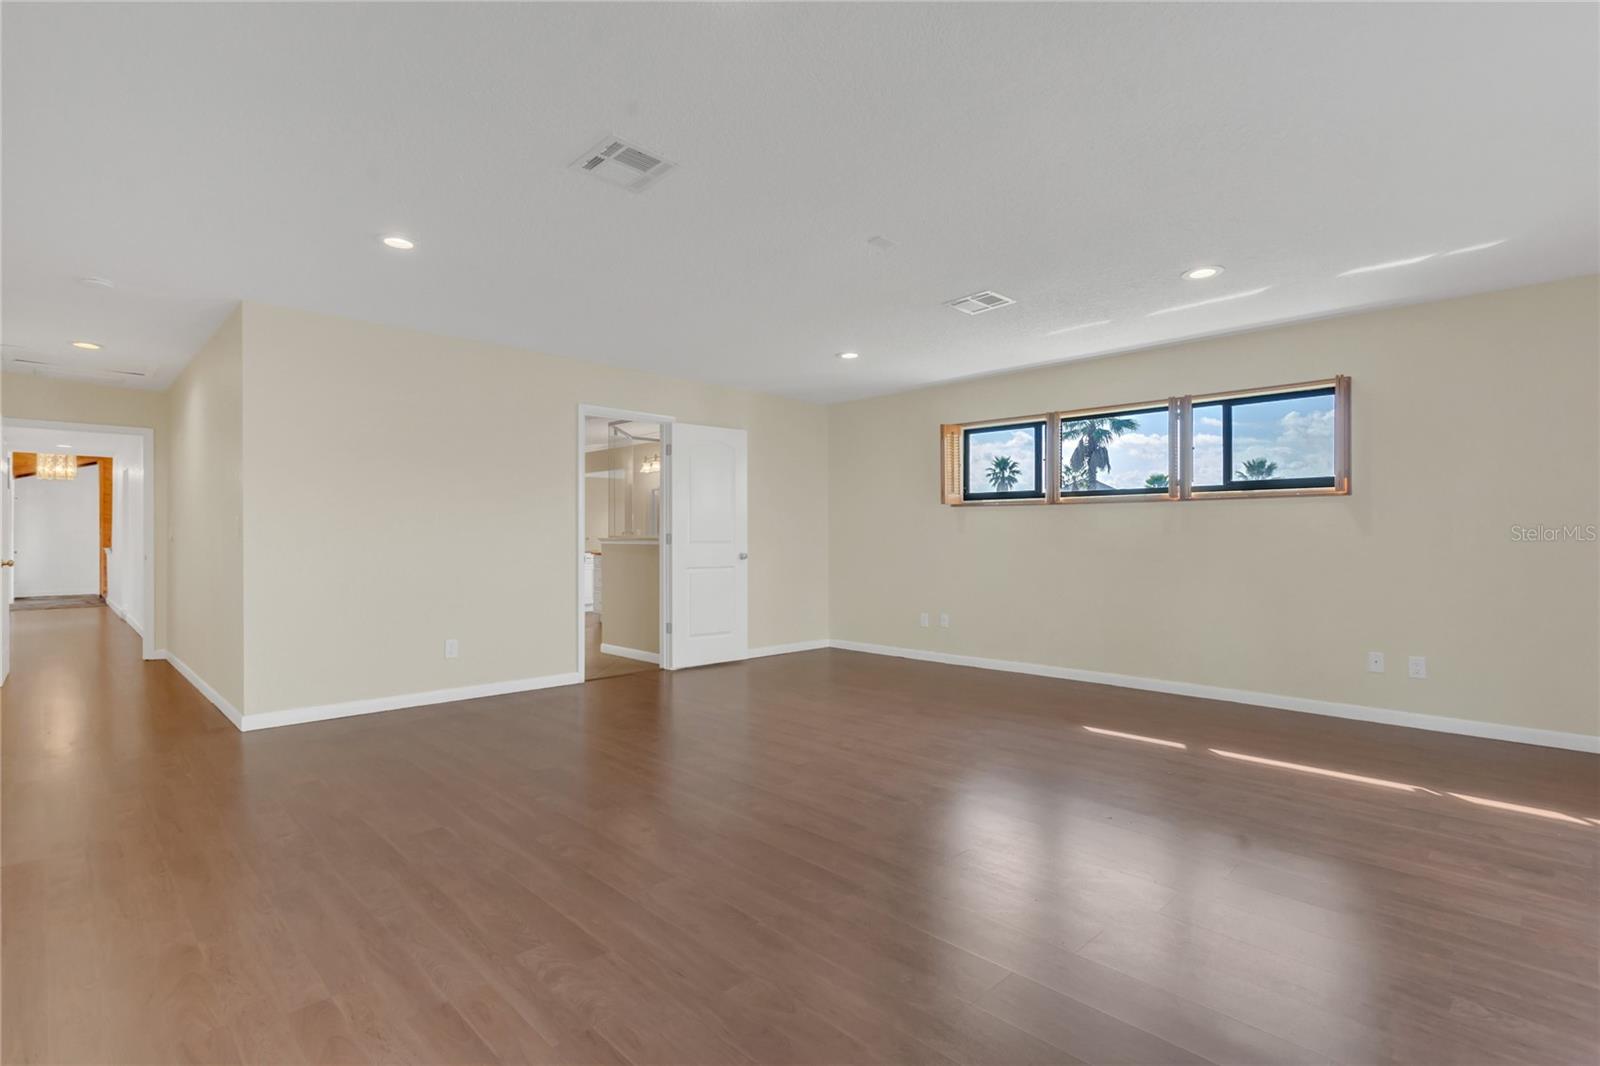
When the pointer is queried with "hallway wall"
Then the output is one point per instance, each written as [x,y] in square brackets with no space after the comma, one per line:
[48,399]
[206,576]
[58,535]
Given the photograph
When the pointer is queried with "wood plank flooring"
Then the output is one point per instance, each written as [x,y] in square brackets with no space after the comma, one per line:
[816,858]
[598,664]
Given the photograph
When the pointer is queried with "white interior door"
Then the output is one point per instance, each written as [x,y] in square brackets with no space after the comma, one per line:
[709,545]
[7,570]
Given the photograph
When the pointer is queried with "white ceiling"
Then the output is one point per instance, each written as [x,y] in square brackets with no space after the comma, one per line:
[1074,157]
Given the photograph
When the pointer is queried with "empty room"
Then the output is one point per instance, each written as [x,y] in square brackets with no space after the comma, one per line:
[815,533]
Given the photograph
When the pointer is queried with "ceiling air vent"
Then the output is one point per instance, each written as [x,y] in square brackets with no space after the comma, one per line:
[627,166]
[979,302]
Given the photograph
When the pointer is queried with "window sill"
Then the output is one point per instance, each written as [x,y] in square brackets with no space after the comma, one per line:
[1246,494]
[1031,501]
[1132,497]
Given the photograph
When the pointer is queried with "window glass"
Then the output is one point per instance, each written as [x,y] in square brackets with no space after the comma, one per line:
[1003,462]
[1208,446]
[1116,452]
[1283,439]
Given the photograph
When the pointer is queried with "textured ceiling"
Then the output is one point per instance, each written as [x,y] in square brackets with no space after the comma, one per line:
[1075,157]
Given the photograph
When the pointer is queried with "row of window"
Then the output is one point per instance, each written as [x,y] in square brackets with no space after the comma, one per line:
[1287,440]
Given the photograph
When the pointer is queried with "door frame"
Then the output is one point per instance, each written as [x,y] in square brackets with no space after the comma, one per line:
[663,549]
[147,624]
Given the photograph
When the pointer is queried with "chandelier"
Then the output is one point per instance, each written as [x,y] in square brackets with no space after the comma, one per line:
[53,467]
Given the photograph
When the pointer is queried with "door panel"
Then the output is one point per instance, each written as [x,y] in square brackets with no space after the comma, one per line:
[708,468]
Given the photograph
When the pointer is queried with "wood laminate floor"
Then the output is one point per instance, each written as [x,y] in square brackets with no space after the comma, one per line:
[598,664]
[825,857]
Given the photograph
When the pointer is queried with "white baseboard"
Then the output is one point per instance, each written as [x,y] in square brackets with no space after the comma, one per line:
[229,710]
[299,715]
[631,653]
[1382,715]
[786,649]
[1549,738]
[118,610]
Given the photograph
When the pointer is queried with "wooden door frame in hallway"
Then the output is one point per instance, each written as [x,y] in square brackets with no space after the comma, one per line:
[145,625]
[587,411]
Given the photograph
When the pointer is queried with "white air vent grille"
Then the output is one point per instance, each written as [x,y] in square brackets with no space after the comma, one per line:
[979,302]
[616,162]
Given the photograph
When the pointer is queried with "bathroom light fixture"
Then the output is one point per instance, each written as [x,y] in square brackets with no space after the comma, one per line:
[400,243]
[651,465]
[1390,265]
[88,346]
[53,467]
[1213,300]
[1202,273]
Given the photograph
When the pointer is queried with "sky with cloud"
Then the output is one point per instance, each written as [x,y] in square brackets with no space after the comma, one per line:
[1295,434]
[984,445]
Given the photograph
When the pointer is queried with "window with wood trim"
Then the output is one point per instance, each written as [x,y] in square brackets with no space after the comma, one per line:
[1004,462]
[1287,440]
[1126,451]
[1293,439]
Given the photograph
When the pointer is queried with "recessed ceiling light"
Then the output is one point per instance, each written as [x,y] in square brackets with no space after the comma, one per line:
[88,346]
[1213,300]
[1477,247]
[849,355]
[1390,265]
[1202,273]
[399,242]
[99,283]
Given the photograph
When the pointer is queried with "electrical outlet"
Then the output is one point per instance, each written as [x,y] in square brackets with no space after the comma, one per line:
[1417,667]
[452,649]
[944,620]
[923,620]
[1375,662]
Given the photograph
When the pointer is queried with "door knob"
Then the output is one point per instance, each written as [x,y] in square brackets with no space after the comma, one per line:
[9,562]
[742,555]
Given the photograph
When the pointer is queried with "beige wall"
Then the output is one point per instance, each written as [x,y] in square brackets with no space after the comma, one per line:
[630,607]
[46,399]
[1470,416]
[205,574]
[356,571]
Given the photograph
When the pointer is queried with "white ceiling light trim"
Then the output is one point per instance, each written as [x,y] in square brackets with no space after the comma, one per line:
[1390,265]
[849,355]
[399,243]
[1213,300]
[1201,273]
[88,346]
